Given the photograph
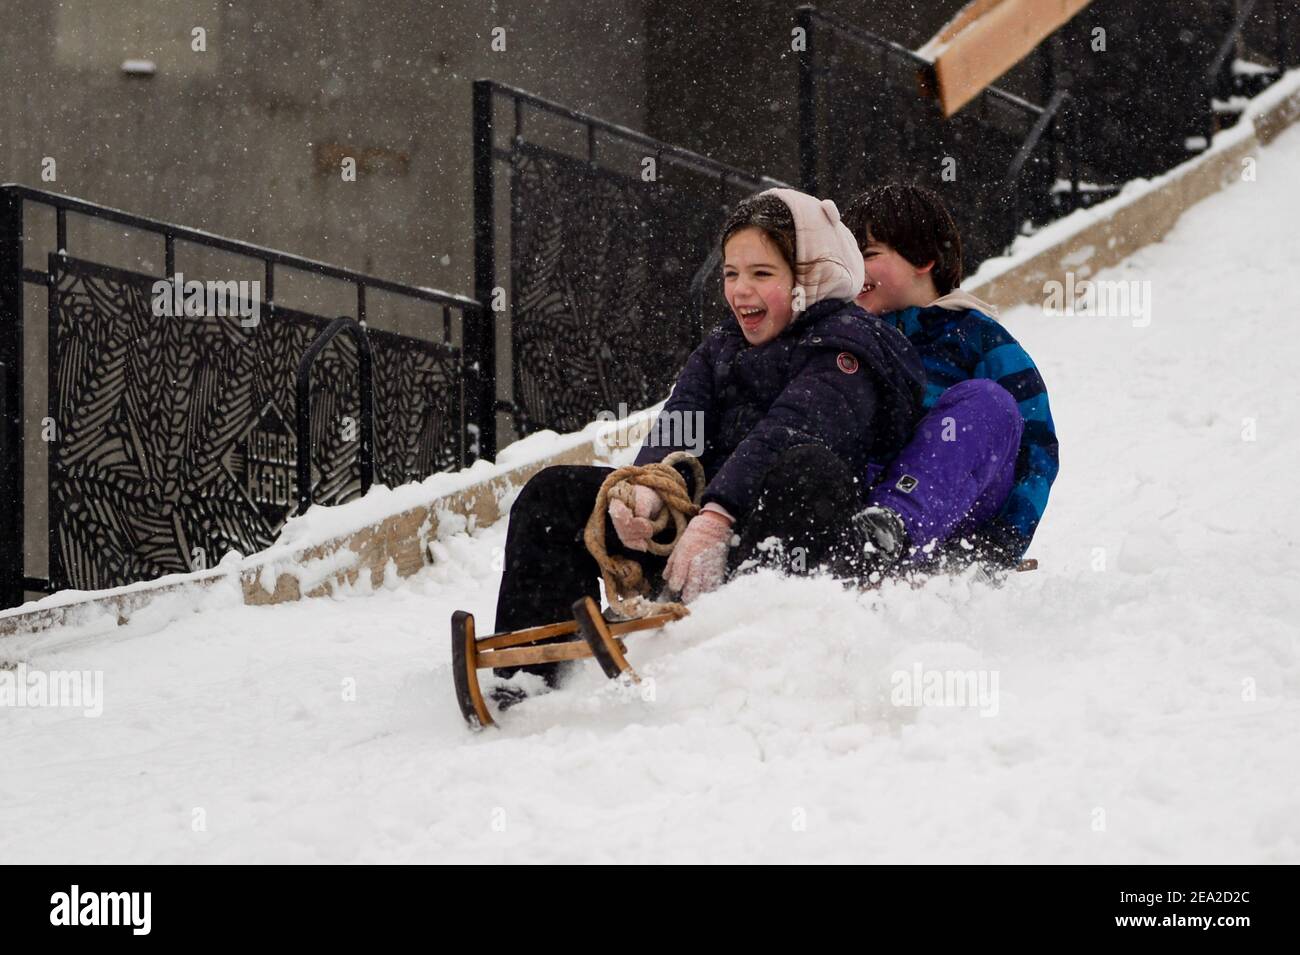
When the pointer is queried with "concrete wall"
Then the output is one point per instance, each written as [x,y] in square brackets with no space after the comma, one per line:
[245,139]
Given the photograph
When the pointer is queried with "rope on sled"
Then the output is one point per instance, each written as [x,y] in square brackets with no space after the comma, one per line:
[625,584]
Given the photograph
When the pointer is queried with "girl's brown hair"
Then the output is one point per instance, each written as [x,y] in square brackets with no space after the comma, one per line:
[771,216]
[774,218]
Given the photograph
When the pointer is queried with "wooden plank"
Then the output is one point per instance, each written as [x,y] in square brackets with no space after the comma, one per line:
[986,39]
[527,656]
[965,16]
[514,638]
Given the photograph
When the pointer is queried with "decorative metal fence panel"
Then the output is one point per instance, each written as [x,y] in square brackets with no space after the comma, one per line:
[602,312]
[419,408]
[170,438]
[608,248]
[174,437]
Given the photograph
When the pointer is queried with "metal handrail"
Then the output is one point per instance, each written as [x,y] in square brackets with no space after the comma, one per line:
[171,232]
[1244,11]
[1012,100]
[1215,69]
[1041,119]
[911,57]
[1046,118]
[15,276]
[680,154]
[1044,126]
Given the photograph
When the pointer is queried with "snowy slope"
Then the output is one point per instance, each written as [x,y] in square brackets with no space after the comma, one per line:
[1124,728]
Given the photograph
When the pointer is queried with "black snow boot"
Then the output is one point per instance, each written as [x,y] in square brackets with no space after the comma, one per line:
[878,543]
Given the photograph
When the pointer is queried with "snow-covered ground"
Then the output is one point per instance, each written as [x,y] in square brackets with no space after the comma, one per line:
[1147,702]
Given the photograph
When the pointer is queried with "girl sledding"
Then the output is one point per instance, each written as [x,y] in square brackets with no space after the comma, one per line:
[825,447]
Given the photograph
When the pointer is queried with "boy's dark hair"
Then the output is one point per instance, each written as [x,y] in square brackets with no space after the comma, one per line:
[914,223]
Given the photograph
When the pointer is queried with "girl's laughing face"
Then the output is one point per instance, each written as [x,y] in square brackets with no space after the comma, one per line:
[758,285]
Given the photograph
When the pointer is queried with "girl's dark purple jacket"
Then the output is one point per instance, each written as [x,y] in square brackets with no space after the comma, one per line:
[835,376]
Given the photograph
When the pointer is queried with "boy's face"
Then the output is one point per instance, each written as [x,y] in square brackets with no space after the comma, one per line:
[892,282]
[758,285]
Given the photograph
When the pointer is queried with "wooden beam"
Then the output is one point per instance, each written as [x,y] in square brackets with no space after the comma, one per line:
[964,18]
[985,39]
[515,638]
[527,656]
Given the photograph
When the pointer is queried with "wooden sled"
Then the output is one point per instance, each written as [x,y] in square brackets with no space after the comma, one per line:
[596,637]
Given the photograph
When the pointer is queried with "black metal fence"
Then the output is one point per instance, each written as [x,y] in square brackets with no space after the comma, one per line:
[1153,81]
[168,428]
[1003,163]
[607,235]
[864,120]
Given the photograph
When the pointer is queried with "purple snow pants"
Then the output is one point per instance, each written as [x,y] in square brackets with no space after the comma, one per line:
[956,472]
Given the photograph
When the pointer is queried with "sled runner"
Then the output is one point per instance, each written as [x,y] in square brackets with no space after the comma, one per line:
[597,637]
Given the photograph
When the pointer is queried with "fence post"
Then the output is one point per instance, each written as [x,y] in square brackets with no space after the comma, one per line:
[1053,82]
[1282,26]
[1075,127]
[807,105]
[11,399]
[480,335]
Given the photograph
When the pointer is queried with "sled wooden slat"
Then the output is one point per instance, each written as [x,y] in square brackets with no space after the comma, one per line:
[514,638]
[526,656]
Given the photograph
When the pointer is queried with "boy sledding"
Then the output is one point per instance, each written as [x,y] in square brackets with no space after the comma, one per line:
[973,482]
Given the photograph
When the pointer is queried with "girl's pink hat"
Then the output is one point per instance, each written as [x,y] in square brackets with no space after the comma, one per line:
[826,242]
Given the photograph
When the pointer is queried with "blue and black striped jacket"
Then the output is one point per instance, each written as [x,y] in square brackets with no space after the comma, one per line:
[958,344]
